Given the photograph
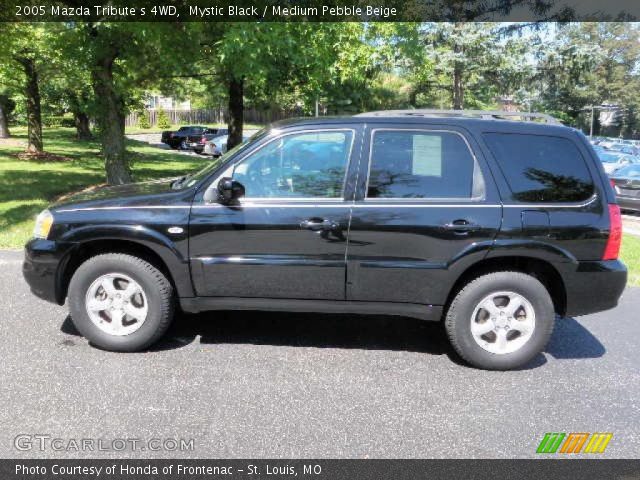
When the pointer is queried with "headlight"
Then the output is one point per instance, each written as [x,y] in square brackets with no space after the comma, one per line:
[43,224]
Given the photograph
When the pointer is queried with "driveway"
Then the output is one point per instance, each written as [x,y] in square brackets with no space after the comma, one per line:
[265,385]
[154,139]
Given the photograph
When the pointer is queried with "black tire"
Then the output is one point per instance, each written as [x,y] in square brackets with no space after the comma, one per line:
[461,310]
[157,289]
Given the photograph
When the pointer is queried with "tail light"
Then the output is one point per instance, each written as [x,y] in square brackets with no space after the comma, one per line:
[613,183]
[203,140]
[612,250]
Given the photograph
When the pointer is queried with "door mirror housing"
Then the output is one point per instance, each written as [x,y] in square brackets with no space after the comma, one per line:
[229,190]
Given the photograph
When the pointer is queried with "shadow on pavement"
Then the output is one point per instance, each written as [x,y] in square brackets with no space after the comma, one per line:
[570,340]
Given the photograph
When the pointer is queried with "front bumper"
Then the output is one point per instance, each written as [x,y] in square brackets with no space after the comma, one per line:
[594,286]
[42,268]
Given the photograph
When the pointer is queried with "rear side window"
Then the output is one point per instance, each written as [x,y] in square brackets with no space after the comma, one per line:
[541,168]
[417,164]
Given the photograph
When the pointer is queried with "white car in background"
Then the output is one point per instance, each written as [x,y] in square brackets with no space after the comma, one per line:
[612,161]
[217,146]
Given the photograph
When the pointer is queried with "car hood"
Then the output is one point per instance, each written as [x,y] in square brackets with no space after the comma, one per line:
[144,193]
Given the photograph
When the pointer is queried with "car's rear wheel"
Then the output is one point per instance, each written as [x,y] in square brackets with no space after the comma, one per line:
[120,302]
[501,320]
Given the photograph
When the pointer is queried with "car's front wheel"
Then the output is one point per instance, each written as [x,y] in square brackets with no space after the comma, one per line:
[501,320]
[120,302]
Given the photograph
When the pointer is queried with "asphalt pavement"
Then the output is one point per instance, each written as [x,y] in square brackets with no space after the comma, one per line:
[282,385]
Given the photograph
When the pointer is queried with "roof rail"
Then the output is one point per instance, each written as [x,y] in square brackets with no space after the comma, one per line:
[484,114]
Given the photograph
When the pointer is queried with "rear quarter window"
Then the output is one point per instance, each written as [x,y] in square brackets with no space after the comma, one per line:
[541,168]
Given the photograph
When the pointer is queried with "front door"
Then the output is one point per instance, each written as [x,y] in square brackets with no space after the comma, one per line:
[425,209]
[287,237]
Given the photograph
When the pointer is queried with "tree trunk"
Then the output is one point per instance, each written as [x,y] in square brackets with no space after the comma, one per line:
[458,90]
[236,112]
[458,70]
[5,108]
[83,131]
[110,118]
[32,95]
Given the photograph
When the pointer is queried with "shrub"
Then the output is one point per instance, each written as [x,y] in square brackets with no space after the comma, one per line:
[144,119]
[163,120]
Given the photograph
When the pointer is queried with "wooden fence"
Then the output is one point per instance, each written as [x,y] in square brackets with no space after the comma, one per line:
[214,115]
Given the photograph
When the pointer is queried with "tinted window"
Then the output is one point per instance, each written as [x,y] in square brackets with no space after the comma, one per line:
[298,165]
[541,168]
[412,164]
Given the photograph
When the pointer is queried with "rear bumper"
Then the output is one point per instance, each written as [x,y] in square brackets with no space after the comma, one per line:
[594,287]
[41,268]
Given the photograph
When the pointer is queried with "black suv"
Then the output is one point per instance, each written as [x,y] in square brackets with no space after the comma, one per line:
[490,225]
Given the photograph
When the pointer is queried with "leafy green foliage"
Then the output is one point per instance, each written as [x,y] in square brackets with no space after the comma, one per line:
[144,120]
[163,120]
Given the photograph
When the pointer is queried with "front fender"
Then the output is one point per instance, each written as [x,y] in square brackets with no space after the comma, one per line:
[168,249]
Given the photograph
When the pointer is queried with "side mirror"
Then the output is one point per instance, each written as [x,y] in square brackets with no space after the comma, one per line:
[229,190]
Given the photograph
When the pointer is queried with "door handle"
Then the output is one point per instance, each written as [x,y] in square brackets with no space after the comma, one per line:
[319,224]
[461,226]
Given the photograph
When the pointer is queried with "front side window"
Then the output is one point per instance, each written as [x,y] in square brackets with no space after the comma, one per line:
[541,168]
[419,164]
[309,164]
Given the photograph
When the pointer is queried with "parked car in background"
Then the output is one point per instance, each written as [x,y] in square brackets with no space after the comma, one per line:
[216,146]
[625,148]
[199,146]
[185,136]
[626,182]
[612,161]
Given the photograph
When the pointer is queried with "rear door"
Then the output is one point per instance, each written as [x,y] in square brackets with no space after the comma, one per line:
[425,208]
[287,238]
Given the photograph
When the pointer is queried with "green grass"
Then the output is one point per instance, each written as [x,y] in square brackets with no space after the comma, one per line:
[630,255]
[27,187]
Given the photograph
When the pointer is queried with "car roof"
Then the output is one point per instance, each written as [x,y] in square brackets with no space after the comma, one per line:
[484,125]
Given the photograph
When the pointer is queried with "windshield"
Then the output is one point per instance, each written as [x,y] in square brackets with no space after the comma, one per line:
[199,175]
[629,171]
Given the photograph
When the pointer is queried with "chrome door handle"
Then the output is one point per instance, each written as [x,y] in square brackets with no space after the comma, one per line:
[461,226]
[318,224]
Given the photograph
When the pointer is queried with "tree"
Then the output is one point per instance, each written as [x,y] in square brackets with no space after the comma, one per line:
[268,58]
[7,105]
[163,119]
[28,54]
[144,121]
[587,64]
[110,51]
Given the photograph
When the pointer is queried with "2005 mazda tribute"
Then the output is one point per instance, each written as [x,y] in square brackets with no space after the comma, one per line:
[490,225]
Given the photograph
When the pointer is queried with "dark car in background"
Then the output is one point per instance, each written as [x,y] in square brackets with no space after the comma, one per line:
[185,136]
[626,182]
[492,227]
